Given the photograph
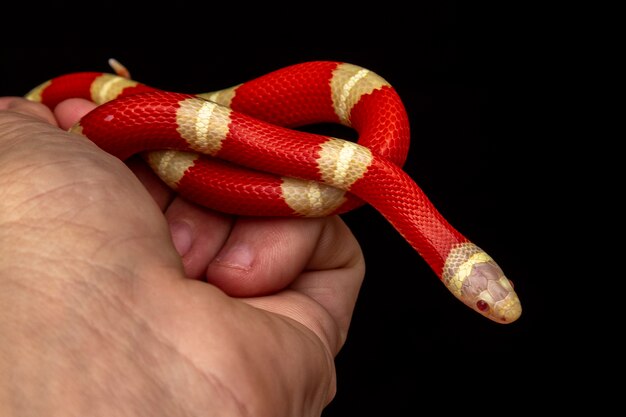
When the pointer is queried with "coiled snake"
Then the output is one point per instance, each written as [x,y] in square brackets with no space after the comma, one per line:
[199,143]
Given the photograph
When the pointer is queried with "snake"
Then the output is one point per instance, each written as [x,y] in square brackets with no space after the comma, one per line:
[243,150]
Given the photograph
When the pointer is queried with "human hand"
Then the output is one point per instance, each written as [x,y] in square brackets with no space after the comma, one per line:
[99,314]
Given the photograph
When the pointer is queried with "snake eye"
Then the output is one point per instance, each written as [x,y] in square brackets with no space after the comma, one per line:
[482,305]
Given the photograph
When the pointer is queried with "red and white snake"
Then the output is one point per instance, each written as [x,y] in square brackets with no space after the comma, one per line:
[199,143]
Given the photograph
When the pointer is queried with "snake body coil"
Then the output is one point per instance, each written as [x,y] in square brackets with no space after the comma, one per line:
[198,144]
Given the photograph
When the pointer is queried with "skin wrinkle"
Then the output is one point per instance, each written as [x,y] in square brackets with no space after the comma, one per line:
[48,261]
[298,320]
[48,231]
[127,321]
[43,199]
[201,372]
[20,177]
[101,195]
[53,139]
[10,127]
[18,107]
[323,325]
[191,366]
[315,339]
[240,316]
[143,323]
[334,261]
[8,278]
[101,190]
[338,331]
[91,294]
[33,231]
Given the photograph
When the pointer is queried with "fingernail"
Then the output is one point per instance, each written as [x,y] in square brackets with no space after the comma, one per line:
[181,236]
[238,256]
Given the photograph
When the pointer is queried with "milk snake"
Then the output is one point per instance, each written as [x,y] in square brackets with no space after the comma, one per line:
[199,145]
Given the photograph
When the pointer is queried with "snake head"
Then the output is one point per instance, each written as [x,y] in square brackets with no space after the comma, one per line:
[474,278]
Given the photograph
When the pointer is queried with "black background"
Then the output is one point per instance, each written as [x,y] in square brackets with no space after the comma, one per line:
[470,88]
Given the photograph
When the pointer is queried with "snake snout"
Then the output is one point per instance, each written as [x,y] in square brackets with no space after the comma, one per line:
[490,293]
[477,280]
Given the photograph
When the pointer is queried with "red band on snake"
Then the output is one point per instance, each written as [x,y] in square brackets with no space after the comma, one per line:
[199,145]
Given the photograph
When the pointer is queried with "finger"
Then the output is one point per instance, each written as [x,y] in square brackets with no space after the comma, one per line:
[335,273]
[324,295]
[69,111]
[264,255]
[23,106]
[197,233]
